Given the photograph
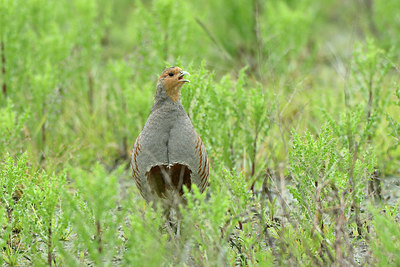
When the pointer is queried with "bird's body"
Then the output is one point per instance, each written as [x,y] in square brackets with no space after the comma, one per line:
[168,154]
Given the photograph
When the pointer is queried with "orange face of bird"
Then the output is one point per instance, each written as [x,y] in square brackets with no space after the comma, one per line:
[172,79]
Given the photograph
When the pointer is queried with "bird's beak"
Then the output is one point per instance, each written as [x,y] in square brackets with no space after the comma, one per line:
[183,73]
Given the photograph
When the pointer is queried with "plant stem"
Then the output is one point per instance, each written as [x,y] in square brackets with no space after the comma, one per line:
[90,93]
[98,229]
[43,132]
[374,185]
[353,190]
[257,35]
[3,69]
[370,15]
[253,163]
[214,40]
[49,249]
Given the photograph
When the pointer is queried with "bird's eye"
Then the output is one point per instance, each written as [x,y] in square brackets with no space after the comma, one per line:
[170,74]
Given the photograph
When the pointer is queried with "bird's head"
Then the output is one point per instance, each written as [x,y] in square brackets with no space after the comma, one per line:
[172,80]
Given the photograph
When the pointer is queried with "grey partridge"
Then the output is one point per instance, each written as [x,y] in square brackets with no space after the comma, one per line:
[168,154]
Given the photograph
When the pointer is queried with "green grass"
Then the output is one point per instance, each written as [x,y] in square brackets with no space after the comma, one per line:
[297,103]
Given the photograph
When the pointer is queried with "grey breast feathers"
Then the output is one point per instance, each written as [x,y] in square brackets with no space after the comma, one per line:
[185,147]
[168,145]
[150,150]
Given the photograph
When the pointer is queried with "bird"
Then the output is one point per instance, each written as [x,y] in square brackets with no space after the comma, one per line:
[168,154]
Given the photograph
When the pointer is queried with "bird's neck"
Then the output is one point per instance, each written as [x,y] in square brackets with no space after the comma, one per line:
[161,98]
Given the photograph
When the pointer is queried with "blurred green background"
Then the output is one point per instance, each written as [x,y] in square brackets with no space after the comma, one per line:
[85,71]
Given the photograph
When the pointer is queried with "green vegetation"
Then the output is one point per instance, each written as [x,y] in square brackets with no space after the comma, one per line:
[297,103]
